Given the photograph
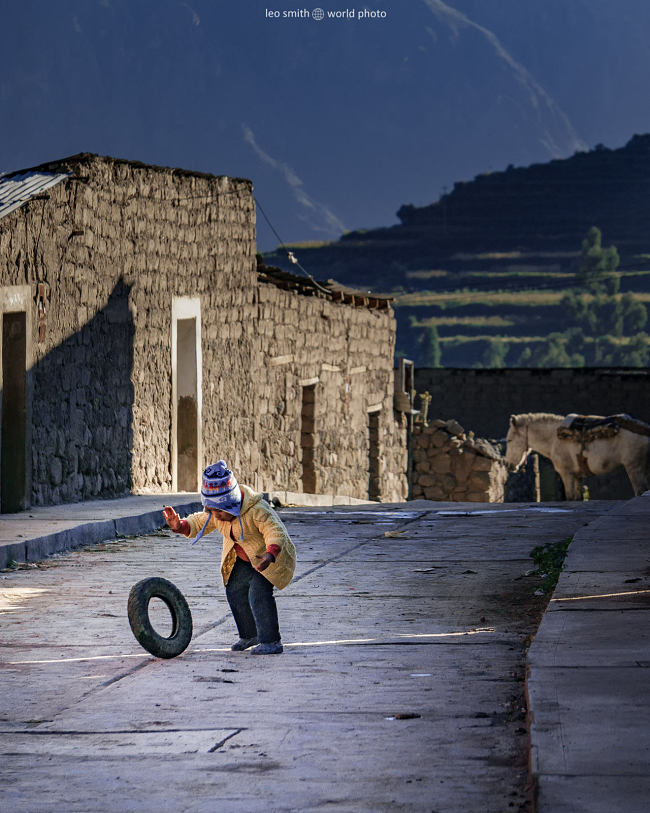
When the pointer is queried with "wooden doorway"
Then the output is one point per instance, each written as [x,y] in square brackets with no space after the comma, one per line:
[13,462]
[308,439]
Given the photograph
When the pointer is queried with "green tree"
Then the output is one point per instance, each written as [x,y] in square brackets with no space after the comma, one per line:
[576,341]
[605,352]
[597,263]
[637,352]
[495,354]
[555,354]
[611,316]
[430,352]
[583,311]
[525,358]
[635,314]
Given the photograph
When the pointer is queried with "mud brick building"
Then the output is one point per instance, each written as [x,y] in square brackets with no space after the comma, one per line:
[141,341]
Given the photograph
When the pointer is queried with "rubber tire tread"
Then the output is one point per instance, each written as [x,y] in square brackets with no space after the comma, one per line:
[138,612]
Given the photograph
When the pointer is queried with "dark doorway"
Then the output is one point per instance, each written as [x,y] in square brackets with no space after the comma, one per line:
[14,405]
[187,433]
[308,438]
[374,483]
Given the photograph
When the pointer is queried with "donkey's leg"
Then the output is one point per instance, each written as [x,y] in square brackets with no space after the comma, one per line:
[638,477]
[572,484]
[637,465]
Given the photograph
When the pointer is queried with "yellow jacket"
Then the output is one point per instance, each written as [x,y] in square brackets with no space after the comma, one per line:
[262,527]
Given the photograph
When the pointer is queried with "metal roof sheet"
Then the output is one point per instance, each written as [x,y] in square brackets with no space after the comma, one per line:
[17,189]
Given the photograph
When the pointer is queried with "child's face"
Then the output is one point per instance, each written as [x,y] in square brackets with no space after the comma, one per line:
[222,516]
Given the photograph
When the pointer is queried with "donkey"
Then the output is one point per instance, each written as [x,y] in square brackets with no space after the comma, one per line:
[579,453]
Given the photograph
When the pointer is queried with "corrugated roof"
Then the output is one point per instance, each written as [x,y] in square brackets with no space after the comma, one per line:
[17,189]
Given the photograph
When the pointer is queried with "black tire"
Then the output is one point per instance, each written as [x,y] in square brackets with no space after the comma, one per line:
[138,611]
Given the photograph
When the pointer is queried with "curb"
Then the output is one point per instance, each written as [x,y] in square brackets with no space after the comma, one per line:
[86,533]
[587,718]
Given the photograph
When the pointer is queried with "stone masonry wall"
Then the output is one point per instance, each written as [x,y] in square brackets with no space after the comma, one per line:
[346,354]
[105,253]
[450,465]
[111,247]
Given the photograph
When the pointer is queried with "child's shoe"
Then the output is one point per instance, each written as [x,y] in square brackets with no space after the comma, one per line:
[274,648]
[243,643]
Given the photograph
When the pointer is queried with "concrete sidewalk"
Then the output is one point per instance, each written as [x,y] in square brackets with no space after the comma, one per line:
[39,532]
[588,671]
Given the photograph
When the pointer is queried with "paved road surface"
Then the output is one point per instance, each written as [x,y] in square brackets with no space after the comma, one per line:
[396,610]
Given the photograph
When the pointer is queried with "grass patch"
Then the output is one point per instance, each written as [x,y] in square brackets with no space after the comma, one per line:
[549,560]
[459,338]
[475,321]
[458,298]
[435,272]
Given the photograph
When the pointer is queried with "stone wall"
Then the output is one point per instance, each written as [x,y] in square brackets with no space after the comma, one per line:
[105,253]
[345,354]
[485,399]
[450,465]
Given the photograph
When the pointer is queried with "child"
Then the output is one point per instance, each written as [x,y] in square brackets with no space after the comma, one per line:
[257,554]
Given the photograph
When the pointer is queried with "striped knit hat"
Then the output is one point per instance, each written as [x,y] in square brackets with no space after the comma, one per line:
[220,489]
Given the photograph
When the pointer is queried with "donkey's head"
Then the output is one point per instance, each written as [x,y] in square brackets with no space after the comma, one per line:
[516,442]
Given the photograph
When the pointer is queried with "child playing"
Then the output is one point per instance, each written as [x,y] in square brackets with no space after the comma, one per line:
[257,554]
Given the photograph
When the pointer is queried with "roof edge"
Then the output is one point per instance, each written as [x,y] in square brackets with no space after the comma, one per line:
[84,157]
[329,290]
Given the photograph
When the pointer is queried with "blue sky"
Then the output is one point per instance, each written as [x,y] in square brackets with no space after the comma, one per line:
[338,122]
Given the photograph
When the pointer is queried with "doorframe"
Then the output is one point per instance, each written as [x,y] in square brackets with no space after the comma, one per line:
[186,307]
[17,299]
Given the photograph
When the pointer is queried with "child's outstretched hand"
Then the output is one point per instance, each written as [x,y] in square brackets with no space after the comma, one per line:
[267,560]
[172,519]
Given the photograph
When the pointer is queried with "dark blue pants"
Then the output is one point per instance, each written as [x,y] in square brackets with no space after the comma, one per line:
[252,603]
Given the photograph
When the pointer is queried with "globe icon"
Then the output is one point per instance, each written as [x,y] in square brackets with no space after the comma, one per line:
[318,14]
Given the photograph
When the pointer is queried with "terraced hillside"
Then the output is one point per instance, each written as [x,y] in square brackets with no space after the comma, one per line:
[489,263]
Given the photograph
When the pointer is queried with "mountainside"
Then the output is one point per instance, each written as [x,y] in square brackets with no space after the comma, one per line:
[534,210]
[334,120]
[488,265]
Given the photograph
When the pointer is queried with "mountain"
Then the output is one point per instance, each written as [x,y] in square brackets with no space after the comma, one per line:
[541,210]
[487,264]
[334,120]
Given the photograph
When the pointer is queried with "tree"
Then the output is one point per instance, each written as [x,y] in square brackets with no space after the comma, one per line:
[525,358]
[597,264]
[554,353]
[611,316]
[635,315]
[495,354]
[637,352]
[606,352]
[430,353]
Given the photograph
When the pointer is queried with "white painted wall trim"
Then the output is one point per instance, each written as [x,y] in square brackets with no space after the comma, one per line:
[185,307]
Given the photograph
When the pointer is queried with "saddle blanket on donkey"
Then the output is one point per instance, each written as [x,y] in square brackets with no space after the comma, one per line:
[586,428]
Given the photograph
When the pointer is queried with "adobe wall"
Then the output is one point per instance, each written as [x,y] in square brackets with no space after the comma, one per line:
[346,354]
[111,247]
[483,400]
